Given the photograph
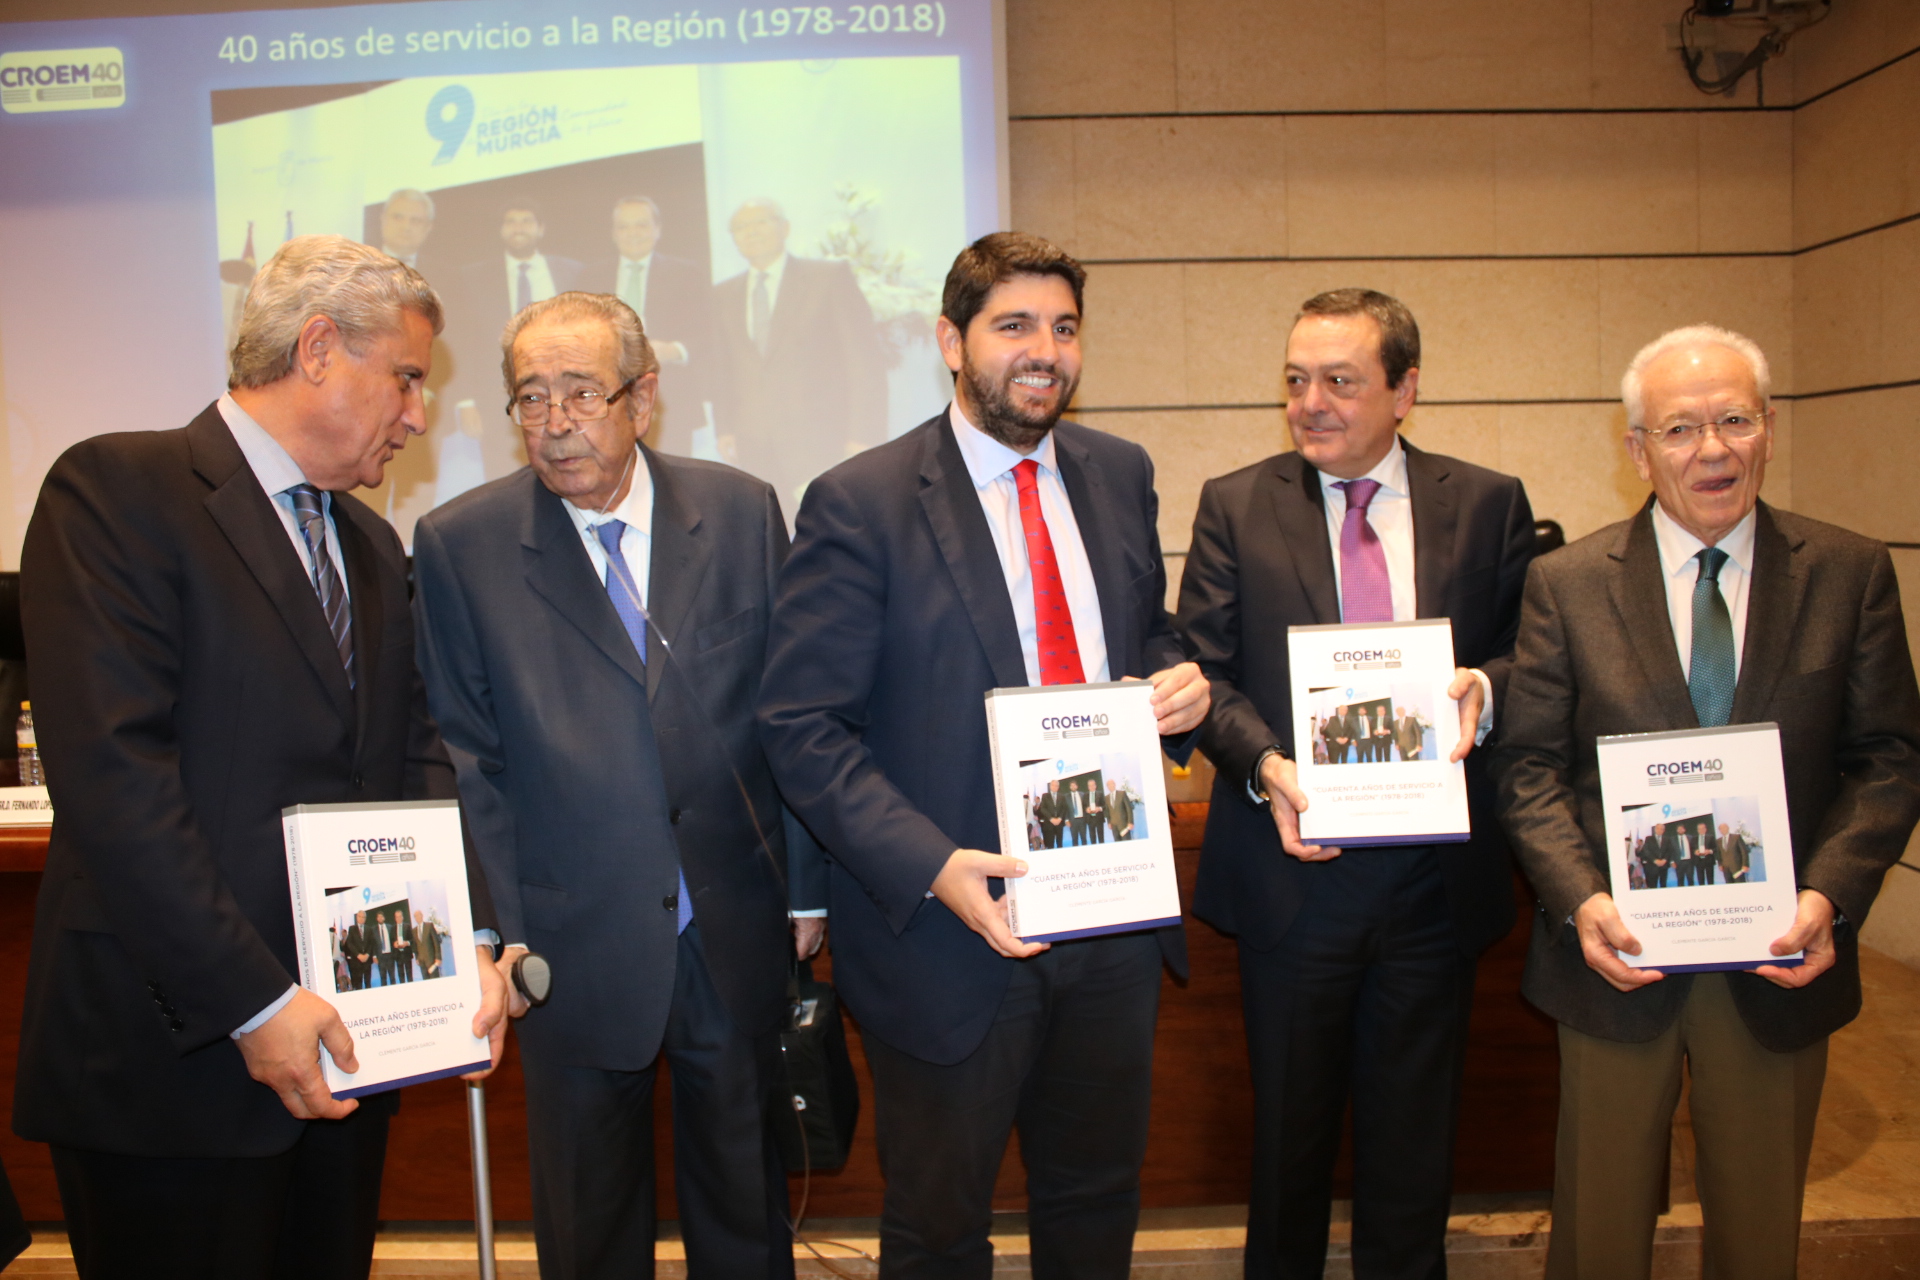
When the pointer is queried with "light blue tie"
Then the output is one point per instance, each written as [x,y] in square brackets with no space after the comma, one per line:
[1710,673]
[625,594]
[326,579]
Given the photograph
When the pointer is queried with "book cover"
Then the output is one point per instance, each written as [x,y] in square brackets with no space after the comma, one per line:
[385,935]
[1373,727]
[1082,798]
[1698,846]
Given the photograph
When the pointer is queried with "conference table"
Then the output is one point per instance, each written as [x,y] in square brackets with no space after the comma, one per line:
[1200,1140]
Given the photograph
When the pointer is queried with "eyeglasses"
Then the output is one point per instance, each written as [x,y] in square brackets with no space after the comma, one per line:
[1735,424]
[533,408]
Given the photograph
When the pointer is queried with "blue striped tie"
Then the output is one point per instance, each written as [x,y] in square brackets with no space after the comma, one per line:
[326,579]
[625,594]
[1710,674]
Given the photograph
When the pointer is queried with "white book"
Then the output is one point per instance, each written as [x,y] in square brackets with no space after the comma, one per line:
[1698,900]
[1372,729]
[1094,865]
[356,870]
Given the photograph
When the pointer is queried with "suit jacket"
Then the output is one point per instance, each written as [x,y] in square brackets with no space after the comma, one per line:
[1052,805]
[489,300]
[1825,657]
[426,943]
[1119,811]
[1408,735]
[893,621]
[819,393]
[679,308]
[1262,561]
[593,777]
[186,690]
[1734,854]
[358,943]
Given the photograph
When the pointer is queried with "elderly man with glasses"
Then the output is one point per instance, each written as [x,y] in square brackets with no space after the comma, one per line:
[1707,608]
[592,630]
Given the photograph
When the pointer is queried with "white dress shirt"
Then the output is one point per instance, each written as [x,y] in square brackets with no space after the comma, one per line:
[627,267]
[1681,570]
[636,540]
[775,272]
[991,464]
[1391,516]
[539,277]
[277,472]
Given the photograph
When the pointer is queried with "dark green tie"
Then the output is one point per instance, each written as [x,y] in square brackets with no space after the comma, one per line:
[1710,676]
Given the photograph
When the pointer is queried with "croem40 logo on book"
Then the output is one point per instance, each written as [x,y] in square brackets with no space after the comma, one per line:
[62,80]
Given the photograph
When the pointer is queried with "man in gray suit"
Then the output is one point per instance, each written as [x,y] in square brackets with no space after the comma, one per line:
[592,630]
[1707,608]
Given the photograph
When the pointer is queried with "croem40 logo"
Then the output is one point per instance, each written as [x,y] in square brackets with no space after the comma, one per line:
[62,80]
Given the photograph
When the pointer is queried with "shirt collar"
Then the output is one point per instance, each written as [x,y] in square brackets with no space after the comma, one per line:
[537,261]
[635,510]
[1678,547]
[774,270]
[626,262]
[1390,472]
[987,459]
[272,465]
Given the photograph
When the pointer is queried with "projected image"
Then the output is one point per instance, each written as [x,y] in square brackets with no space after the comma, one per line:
[1374,724]
[388,935]
[1087,800]
[782,228]
[1695,846]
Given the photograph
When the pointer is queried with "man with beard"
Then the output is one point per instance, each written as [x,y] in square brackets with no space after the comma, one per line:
[988,547]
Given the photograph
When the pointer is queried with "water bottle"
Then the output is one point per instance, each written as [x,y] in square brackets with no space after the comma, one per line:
[32,772]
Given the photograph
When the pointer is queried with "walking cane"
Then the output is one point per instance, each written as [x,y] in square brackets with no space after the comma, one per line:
[482,1178]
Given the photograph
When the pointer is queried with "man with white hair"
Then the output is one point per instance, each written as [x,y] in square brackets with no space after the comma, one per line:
[1706,608]
[217,631]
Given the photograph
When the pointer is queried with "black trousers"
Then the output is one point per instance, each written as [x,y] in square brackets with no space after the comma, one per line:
[1069,1061]
[1365,999]
[590,1133]
[306,1214]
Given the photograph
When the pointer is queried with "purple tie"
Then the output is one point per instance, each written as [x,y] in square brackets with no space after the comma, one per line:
[1365,594]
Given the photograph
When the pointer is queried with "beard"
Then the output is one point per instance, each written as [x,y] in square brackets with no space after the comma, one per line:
[1019,429]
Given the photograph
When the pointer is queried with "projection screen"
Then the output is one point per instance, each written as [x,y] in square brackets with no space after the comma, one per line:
[508,150]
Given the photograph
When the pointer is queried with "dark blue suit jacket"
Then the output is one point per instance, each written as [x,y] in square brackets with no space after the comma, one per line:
[1261,561]
[892,623]
[588,777]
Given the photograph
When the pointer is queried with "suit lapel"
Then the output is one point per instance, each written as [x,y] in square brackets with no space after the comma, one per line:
[678,565]
[251,524]
[1092,511]
[561,573]
[1300,511]
[1435,516]
[1774,597]
[1639,592]
[960,529]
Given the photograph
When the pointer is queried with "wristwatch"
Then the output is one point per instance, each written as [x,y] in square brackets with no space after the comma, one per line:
[1254,791]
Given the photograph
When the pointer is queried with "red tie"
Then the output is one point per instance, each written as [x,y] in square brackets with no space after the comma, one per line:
[1052,620]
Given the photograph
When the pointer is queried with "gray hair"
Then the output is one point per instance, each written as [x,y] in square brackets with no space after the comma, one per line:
[415,195]
[636,353]
[359,288]
[761,202]
[1633,393]
[624,201]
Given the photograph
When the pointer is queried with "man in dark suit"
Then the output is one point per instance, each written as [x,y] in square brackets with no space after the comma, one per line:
[910,594]
[360,951]
[1734,855]
[1707,608]
[1409,735]
[217,631]
[1053,815]
[383,947]
[1077,807]
[406,220]
[1658,857]
[1357,971]
[673,298]
[592,632]
[1706,854]
[801,381]
[499,288]
[1339,737]
[402,946]
[1120,813]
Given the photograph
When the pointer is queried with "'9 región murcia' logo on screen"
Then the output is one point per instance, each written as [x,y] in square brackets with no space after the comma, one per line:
[62,80]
